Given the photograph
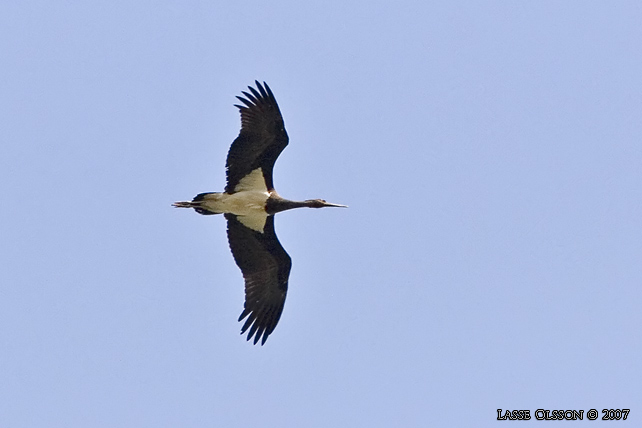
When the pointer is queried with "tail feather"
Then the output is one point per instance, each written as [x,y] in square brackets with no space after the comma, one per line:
[197,203]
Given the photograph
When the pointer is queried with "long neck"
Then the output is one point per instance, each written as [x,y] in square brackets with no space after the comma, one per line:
[276,204]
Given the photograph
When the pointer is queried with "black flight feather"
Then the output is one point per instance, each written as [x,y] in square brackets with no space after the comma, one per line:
[266,268]
[261,140]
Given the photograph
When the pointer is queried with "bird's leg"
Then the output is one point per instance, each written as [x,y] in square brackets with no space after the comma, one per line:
[184,204]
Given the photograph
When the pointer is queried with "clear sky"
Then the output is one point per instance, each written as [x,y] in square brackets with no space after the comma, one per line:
[491,257]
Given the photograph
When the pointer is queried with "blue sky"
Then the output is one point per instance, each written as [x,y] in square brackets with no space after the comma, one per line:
[491,156]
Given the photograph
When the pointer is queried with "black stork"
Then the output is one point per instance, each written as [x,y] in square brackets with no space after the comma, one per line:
[249,204]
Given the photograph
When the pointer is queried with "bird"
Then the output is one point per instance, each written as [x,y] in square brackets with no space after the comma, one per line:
[249,203]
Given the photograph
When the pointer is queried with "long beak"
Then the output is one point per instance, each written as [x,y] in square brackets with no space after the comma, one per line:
[328,204]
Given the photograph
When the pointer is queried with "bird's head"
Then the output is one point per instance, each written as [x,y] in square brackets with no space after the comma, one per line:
[320,203]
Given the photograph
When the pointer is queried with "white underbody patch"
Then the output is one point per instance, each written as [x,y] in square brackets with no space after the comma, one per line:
[254,221]
[248,201]
[253,181]
[242,203]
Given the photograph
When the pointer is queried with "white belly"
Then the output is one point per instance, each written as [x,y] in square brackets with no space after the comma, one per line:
[249,202]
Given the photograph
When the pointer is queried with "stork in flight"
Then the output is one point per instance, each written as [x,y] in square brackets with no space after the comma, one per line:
[249,204]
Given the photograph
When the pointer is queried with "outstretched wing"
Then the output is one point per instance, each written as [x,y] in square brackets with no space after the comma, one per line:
[261,140]
[266,269]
